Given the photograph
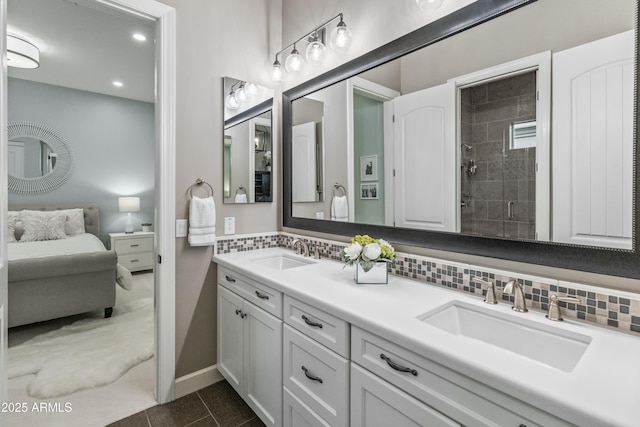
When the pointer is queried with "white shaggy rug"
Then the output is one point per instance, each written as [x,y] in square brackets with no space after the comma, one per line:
[88,353]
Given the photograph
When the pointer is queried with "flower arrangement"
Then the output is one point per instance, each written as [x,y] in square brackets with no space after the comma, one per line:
[366,251]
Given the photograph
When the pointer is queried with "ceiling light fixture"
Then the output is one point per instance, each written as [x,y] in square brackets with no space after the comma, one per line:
[139,37]
[315,51]
[117,83]
[429,5]
[21,53]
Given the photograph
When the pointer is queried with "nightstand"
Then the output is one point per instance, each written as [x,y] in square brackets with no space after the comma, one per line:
[134,250]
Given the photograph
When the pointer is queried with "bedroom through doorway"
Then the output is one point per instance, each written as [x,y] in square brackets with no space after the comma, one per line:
[90,343]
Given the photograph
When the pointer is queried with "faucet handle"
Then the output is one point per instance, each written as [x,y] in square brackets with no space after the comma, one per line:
[554,309]
[490,298]
[316,252]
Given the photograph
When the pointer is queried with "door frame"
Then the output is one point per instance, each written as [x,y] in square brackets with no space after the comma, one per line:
[165,129]
[541,63]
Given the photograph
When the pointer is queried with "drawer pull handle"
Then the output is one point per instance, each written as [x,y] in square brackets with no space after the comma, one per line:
[398,367]
[310,322]
[261,296]
[242,315]
[230,279]
[311,377]
[134,246]
[135,260]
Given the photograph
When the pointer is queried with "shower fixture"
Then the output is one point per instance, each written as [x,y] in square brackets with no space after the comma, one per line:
[471,167]
[467,147]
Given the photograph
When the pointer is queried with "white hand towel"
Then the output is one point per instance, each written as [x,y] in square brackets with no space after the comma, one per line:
[202,222]
[339,209]
[241,198]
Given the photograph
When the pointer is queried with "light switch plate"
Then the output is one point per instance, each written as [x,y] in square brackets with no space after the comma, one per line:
[229,225]
[181,228]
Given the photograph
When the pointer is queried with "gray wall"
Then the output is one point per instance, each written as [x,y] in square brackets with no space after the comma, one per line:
[113,142]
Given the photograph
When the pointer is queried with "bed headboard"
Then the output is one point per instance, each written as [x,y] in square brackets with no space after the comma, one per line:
[91,214]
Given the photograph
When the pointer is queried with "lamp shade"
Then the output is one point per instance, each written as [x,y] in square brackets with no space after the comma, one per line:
[129,204]
[21,53]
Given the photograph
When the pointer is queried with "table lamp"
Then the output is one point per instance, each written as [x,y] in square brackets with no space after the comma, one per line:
[128,205]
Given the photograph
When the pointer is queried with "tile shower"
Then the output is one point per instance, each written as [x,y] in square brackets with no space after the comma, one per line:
[497,173]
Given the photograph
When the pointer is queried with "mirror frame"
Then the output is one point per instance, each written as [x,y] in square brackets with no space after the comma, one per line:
[64,163]
[613,262]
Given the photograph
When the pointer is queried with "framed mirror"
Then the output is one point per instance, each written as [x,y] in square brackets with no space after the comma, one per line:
[39,158]
[470,169]
[248,142]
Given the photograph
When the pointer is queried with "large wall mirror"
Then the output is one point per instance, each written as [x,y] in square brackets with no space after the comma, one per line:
[506,129]
[248,142]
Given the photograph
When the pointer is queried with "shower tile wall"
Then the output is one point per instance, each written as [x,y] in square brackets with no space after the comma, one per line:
[502,174]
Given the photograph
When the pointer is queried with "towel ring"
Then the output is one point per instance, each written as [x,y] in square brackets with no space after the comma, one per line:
[241,190]
[337,187]
[199,182]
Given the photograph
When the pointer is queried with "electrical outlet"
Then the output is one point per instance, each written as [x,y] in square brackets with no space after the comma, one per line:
[229,225]
[320,215]
[181,228]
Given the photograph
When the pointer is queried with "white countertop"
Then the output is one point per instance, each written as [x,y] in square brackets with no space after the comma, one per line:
[603,389]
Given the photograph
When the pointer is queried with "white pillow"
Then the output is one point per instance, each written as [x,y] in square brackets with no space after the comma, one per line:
[43,225]
[12,218]
[75,221]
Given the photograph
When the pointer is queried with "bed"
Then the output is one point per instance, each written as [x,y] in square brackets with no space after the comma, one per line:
[62,277]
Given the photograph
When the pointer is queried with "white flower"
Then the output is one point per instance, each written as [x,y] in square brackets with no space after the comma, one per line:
[352,252]
[371,252]
[384,243]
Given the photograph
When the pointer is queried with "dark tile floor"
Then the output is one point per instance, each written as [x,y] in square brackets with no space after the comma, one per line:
[215,406]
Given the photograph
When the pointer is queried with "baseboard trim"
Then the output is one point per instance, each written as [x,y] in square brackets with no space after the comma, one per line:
[197,380]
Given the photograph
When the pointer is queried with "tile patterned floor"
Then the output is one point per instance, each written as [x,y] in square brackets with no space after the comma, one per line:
[215,406]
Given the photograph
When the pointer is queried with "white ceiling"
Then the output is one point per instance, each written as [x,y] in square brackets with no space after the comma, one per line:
[85,46]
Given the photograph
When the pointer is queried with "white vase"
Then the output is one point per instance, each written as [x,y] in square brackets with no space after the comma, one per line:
[376,275]
[146,228]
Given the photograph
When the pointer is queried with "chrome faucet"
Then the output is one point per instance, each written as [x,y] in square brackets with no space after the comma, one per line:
[514,288]
[301,247]
[554,309]
[490,298]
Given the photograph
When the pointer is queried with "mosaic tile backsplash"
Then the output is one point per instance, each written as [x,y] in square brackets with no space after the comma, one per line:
[606,307]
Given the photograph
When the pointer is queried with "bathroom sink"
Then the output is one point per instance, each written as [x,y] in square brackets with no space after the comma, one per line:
[545,344]
[282,261]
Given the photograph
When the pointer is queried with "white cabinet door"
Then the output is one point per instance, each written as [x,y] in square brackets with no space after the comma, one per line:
[593,143]
[263,364]
[230,345]
[376,403]
[425,159]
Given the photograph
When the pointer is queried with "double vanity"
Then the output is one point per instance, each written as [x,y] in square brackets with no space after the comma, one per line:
[304,345]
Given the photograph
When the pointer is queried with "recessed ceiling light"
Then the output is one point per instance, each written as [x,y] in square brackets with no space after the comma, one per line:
[140,37]
[117,83]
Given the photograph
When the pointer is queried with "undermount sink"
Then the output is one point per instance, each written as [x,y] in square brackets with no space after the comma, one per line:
[282,261]
[545,344]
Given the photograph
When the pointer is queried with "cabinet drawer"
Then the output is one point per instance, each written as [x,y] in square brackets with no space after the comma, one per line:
[297,414]
[459,397]
[376,403]
[317,376]
[263,296]
[134,244]
[322,327]
[136,262]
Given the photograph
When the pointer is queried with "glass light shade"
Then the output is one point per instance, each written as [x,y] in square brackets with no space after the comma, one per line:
[276,74]
[340,37]
[294,61]
[251,89]
[21,53]
[429,5]
[315,52]
[231,102]
[241,93]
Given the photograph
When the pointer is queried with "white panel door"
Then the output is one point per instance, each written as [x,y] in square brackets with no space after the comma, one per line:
[425,190]
[376,403]
[263,364]
[304,162]
[15,158]
[593,143]
[230,343]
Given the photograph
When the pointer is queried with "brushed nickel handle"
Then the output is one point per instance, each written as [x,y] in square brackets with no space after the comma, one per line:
[491,290]
[398,367]
[230,279]
[261,296]
[311,323]
[311,377]
[554,312]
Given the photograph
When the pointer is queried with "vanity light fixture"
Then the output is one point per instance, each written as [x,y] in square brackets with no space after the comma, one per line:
[21,53]
[117,83]
[239,93]
[139,37]
[429,5]
[340,40]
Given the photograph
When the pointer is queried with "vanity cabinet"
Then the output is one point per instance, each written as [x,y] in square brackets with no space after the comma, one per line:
[315,367]
[440,389]
[250,348]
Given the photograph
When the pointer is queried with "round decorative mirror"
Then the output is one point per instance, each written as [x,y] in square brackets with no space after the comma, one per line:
[40,159]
